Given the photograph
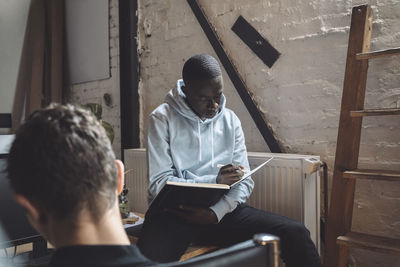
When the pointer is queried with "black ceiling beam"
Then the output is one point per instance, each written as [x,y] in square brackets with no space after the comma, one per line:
[237,81]
[129,74]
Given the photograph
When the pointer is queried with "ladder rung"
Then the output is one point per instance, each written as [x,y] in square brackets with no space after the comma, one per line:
[379,53]
[372,174]
[375,112]
[376,243]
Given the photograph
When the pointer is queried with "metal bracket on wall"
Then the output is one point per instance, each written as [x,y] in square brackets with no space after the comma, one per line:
[237,81]
[253,39]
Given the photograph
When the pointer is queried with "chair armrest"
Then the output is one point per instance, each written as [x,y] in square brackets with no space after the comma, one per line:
[262,250]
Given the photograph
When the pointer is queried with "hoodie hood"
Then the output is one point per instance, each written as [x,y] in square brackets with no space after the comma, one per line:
[176,99]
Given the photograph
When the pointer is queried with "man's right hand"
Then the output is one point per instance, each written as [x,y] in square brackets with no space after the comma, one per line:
[229,174]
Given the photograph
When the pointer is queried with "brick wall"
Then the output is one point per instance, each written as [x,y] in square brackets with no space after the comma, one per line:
[301,94]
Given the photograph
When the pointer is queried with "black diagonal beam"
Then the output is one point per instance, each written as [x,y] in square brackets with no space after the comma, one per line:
[237,81]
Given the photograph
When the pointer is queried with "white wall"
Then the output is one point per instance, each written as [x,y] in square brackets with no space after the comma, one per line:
[86,35]
[13,17]
[92,92]
[301,94]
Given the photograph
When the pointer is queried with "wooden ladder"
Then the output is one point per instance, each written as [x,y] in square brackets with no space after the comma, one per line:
[339,235]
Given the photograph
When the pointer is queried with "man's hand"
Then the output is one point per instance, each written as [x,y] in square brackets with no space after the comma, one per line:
[229,174]
[195,215]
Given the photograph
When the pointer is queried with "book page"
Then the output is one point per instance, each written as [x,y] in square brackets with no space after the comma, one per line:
[248,173]
[202,185]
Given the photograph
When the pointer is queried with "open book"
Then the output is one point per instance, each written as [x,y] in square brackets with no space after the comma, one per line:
[194,194]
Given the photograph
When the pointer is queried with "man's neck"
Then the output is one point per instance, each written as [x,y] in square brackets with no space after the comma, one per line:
[107,230]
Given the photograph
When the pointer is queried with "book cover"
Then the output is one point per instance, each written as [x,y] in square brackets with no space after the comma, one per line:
[203,195]
[190,194]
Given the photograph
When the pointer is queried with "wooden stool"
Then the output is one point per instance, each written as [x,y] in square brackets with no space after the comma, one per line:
[194,251]
[191,252]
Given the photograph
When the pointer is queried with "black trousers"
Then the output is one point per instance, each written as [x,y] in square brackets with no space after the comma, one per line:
[165,237]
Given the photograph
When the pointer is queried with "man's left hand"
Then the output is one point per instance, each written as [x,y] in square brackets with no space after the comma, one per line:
[195,215]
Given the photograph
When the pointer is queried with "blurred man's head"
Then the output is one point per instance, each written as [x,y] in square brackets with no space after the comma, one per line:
[61,165]
[203,85]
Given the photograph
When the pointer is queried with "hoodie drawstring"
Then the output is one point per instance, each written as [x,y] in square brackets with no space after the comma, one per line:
[199,137]
[212,144]
[212,141]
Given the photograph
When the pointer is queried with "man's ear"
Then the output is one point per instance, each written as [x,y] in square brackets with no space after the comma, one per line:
[31,210]
[121,176]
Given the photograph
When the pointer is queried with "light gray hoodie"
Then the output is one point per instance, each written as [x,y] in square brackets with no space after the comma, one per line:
[183,148]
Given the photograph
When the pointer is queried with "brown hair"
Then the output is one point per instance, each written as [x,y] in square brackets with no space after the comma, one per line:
[62,160]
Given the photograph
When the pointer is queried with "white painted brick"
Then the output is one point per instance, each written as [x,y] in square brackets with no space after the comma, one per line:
[114,32]
[114,52]
[301,94]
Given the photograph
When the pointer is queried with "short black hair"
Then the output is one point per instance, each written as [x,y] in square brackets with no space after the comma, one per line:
[62,160]
[200,67]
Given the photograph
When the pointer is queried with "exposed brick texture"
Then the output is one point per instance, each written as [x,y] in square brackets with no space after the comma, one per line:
[300,95]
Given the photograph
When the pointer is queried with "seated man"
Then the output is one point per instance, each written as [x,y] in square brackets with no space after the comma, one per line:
[65,175]
[188,135]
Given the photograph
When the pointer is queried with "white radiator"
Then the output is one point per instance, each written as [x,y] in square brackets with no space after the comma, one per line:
[136,179]
[289,185]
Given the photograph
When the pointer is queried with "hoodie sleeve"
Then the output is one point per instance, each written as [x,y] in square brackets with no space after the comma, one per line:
[160,164]
[240,192]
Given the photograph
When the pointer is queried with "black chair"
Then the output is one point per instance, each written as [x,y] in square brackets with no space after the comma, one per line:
[263,250]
